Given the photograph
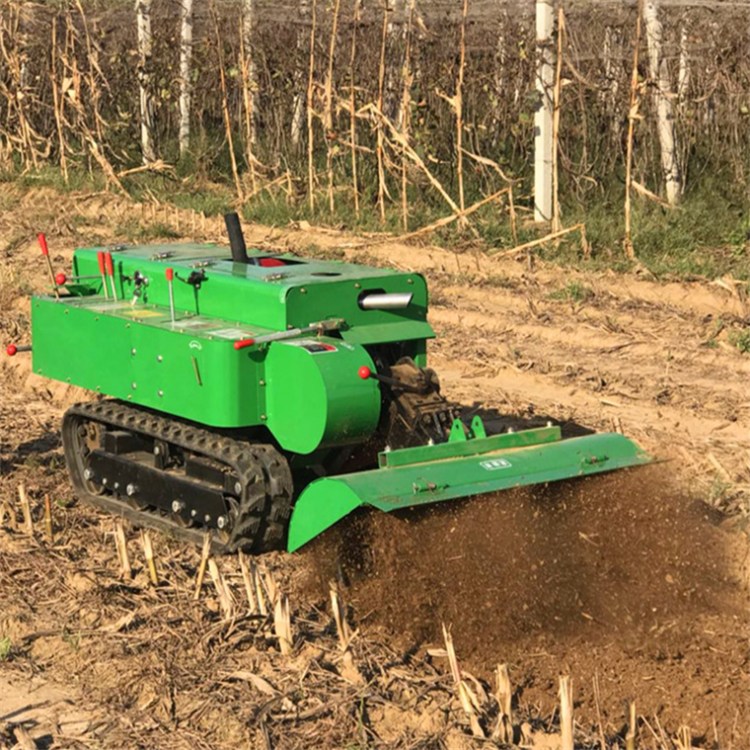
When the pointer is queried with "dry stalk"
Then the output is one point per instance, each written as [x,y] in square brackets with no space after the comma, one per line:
[103,162]
[28,524]
[352,106]
[632,117]
[58,104]
[503,732]
[511,203]
[282,624]
[93,66]
[446,220]
[566,713]
[684,738]
[557,95]
[225,102]
[248,90]
[226,602]
[6,511]
[632,727]
[414,156]
[339,617]
[644,191]
[267,584]
[249,584]
[379,134]
[598,704]
[311,111]
[459,107]
[581,228]
[349,670]
[148,551]
[406,115]
[122,550]
[47,519]
[330,133]
[205,553]
[467,698]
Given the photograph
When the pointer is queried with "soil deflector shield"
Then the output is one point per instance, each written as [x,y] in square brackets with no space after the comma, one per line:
[468,464]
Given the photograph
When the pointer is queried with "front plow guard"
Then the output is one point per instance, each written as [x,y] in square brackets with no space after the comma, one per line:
[431,474]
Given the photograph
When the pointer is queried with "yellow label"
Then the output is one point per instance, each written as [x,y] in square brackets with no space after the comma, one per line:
[143,313]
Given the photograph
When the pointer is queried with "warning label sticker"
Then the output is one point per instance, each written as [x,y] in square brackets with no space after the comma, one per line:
[313,346]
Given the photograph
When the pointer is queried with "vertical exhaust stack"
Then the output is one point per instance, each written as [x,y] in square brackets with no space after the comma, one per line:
[236,239]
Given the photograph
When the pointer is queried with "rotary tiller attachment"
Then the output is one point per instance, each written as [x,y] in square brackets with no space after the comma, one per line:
[468,464]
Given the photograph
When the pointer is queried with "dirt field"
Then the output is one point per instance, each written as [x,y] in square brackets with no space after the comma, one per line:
[635,585]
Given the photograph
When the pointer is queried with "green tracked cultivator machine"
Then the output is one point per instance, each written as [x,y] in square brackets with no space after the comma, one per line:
[263,397]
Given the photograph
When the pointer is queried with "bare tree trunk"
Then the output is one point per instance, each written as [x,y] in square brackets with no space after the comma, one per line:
[143,20]
[186,58]
[683,79]
[299,105]
[659,75]
[543,116]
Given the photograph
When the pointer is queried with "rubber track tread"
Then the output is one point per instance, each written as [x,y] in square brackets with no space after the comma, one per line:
[263,511]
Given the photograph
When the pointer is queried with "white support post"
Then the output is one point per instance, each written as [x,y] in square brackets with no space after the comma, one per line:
[543,141]
[659,74]
[186,56]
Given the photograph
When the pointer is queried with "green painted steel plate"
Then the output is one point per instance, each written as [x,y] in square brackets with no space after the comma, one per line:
[328,500]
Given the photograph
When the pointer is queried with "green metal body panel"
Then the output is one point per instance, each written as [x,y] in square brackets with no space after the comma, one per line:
[115,349]
[492,468]
[318,399]
[189,367]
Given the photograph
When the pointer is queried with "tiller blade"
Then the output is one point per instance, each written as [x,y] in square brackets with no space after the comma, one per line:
[465,465]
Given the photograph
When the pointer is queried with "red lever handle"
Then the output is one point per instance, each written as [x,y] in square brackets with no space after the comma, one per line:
[60,279]
[43,243]
[100,258]
[11,350]
[169,273]
[243,343]
[108,264]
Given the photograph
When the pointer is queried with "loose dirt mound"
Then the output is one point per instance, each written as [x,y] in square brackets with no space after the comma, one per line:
[623,566]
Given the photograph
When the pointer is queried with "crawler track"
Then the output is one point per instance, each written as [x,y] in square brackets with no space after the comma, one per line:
[169,475]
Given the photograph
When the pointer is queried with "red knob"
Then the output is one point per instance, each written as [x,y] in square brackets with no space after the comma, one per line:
[364,372]
[43,243]
[60,279]
[169,273]
[11,350]
[243,343]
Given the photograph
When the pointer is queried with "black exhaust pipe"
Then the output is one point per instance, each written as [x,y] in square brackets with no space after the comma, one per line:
[236,239]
